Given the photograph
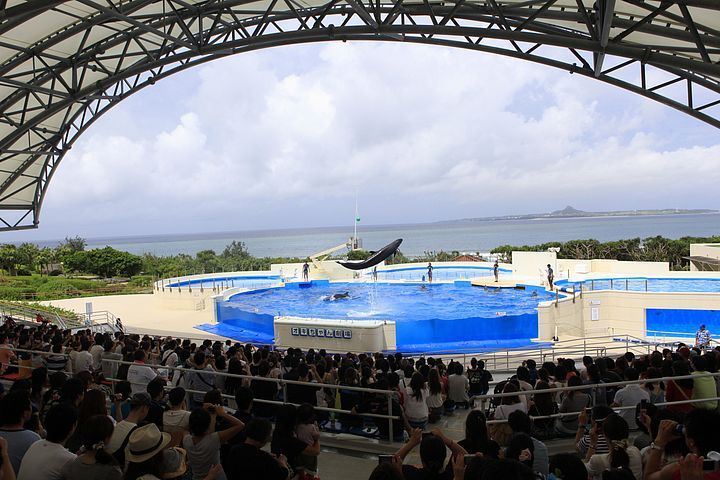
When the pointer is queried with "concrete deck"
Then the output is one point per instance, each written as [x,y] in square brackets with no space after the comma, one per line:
[146,313]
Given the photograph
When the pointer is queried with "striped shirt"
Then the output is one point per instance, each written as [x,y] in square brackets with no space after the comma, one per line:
[584,444]
[56,363]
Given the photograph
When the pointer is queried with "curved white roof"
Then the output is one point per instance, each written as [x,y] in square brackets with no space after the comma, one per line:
[63,63]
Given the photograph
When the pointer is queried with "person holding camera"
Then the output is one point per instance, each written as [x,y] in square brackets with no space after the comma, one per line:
[432,455]
[621,454]
[700,430]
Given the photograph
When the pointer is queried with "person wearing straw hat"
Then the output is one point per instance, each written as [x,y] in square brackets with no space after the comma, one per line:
[149,457]
[144,452]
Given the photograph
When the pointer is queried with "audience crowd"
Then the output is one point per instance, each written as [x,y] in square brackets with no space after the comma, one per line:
[93,406]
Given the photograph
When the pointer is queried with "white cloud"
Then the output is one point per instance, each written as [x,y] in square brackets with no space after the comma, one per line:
[256,143]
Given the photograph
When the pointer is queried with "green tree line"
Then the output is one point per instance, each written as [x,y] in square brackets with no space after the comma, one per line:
[71,257]
[651,249]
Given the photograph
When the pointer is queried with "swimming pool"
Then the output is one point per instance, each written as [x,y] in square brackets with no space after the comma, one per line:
[436,317]
[440,273]
[649,284]
[243,281]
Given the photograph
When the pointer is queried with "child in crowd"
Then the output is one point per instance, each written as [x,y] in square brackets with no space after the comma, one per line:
[307,431]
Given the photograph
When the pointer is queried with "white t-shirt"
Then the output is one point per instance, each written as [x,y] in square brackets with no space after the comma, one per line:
[630,396]
[96,351]
[176,420]
[83,362]
[44,460]
[139,375]
[73,355]
[416,410]
[504,411]
[169,359]
[122,430]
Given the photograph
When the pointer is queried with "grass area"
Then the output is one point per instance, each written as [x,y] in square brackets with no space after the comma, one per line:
[36,287]
[20,310]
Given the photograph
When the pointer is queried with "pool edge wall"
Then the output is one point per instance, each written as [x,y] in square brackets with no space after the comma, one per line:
[615,312]
[442,332]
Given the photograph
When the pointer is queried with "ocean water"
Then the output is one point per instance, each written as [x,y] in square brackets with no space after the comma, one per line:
[464,236]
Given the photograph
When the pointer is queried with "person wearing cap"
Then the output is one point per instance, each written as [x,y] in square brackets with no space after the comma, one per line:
[248,460]
[702,338]
[139,408]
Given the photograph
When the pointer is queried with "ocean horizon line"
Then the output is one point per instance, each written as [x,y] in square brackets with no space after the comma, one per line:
[164,236]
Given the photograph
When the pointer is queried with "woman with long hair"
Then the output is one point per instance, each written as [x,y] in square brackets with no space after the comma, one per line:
[575,401]
[416,409]
[543,404]
[509,403]
[476,438]
[435,398]
[95,462]
[285,442]
[93,403]
[681,389]
[622,454]
[655,389]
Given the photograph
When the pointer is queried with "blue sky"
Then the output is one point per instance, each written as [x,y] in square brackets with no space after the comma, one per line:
[285,137]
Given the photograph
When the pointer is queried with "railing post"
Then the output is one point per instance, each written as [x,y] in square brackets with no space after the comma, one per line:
[626,284]
[284,390]
[391,434]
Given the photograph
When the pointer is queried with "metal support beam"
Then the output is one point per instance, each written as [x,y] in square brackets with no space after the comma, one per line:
[605,12]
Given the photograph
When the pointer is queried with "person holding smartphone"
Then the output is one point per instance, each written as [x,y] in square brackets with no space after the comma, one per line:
[700,432]
[432,455]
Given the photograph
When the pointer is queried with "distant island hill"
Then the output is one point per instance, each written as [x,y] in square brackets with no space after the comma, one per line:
[570,212]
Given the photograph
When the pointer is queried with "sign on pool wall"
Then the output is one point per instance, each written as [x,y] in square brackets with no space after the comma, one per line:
[335,335]
[320,333]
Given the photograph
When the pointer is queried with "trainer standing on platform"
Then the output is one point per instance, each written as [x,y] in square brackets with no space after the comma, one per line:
[550,276]
[430,269]
[306,272]
[702,338]
[496,270]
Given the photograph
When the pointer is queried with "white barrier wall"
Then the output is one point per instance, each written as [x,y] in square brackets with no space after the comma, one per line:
[614,312]
[533,264]
[335,335]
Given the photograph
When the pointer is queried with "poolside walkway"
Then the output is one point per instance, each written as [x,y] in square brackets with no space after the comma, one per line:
[147,313]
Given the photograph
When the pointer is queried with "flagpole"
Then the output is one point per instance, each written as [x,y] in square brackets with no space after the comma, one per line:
[355,222]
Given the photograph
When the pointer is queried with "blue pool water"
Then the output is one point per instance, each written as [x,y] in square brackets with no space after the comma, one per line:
[244,281]
[435,317]
[440,273]
[671,322]
[642,284]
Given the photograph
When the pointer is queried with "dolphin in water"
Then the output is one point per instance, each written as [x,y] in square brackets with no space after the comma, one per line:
[336,296]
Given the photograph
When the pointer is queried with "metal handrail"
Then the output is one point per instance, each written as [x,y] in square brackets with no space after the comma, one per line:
[282,383]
